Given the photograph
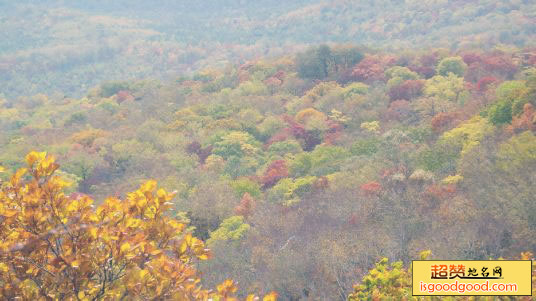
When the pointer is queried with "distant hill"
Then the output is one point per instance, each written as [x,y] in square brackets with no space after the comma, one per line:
[70,46]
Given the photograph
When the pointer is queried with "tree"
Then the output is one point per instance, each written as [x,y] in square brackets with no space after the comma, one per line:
[399,110]
[246,206]
[202,153]
[397,75]
[276,171]
[314,63]
[370,69]
[236,144]
[525,121]
[483,84]
[347,57]
[58,247]
[443,121]
[386,281]
[232,228]
[449,87]
[406,90]
[454,65]
[518,152]
[468,135]
[501,112]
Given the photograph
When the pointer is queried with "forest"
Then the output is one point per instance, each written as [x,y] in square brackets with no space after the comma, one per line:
[259,150]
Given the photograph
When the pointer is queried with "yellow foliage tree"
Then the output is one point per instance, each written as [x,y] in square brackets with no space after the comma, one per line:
[57,247]
[468,134]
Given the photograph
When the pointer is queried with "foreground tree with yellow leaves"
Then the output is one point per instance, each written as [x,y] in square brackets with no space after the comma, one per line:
[59,247]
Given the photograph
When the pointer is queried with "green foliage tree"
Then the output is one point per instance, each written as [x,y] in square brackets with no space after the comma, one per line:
[315,62]
[454,65]
[500,112]
[347,57]
[449,87]
[245,185]
[366,147]
[518,152]
[232,228]
[398,75]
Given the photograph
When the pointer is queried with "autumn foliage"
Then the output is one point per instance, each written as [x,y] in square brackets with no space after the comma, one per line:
[371,188]
[276,171]
[59,247]
[246,206]
[525,121]
[407,90]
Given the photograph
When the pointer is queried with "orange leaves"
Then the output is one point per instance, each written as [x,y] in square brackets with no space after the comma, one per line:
[148,187]
[123,248]
[270,297]
[226,288]
[15,178]
[75,250]
[195,246]
[247,203]
[87,137]
[8,212]
[33,157]
[40,164]
[47,166]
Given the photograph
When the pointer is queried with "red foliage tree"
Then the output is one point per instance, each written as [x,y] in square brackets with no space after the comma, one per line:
[500,64]
[407,90]
[370,69]
[334,132]
[444,121]
[398,110]
[124,96]
[246,206]
[484,82]
[295,129]
[470,58]
[202,153]
[371,188]
[276,171]
[281,135]
[441,192]
[310,138]
[434,195]
[525,121]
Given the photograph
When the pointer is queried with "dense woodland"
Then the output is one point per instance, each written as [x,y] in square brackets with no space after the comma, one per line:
[296,171]
[67,47]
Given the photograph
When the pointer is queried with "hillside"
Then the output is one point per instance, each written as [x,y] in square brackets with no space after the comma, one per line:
[301,171]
